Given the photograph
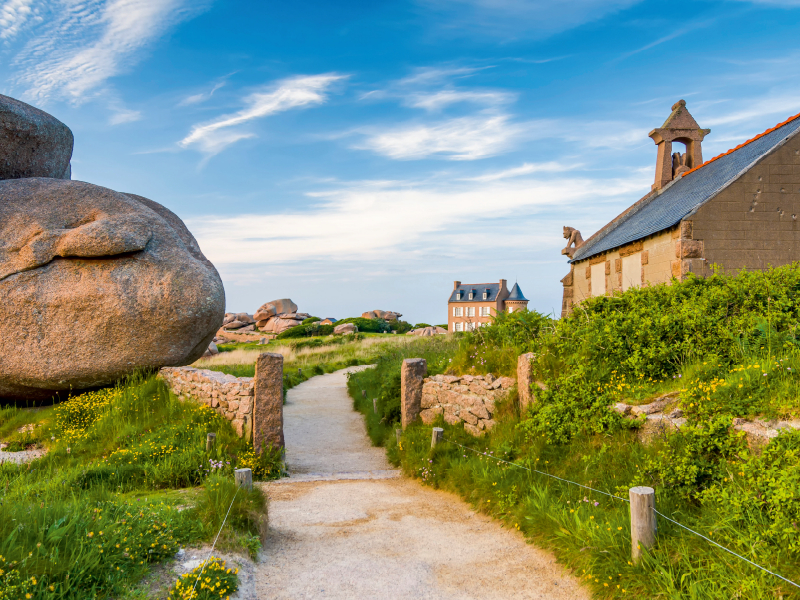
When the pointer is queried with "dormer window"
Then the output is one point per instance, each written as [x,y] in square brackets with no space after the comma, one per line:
[458,295]
[471,295]
[486,294]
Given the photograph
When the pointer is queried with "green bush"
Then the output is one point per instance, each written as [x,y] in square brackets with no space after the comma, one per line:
[368,325]
[400,326]
[300,331]
[421,325]
[310,320]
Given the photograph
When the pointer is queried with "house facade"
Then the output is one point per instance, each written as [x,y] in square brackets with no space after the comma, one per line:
[738,211]
[473,305]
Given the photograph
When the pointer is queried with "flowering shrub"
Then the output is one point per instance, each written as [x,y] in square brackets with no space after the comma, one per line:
[210,580]
[265,466]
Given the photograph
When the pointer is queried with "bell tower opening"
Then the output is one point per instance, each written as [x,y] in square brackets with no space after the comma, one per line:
[679,132]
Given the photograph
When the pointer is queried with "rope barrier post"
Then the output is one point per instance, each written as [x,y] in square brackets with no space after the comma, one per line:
[643,520]
[211,439]
[375,405]
[398,433]
[437,436]
[244,478]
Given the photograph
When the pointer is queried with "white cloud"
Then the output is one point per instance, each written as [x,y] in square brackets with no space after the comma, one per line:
[435,101]
[201,97]
[525,169]
[756,109]
[510,18]
[295,92]
[14,15]
[464,138]
[367,220]
[86,42]
[124,115]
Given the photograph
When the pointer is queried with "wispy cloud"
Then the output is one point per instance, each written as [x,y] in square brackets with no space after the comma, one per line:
[123,115]
[511,18]
[14,15]
[756,109]
[296,92]
[436,101]
[464,138]
[85,43]
[364,220]
[201,97]
[525,169]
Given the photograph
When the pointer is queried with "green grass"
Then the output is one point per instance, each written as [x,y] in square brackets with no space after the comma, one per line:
[126,482]
[704,476]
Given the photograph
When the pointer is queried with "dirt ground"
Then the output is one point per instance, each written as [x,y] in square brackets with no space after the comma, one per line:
[346,526]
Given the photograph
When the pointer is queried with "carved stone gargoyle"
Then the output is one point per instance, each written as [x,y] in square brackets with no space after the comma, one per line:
[573,236]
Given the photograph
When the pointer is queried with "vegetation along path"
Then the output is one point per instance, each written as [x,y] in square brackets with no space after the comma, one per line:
[345,525]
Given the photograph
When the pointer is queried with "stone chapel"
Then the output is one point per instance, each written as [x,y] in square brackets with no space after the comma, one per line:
[738,210]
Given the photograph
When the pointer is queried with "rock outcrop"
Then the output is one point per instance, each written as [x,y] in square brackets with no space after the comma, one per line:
[387,315]
[274,308]
[345,328]
[96,284]
[32,142]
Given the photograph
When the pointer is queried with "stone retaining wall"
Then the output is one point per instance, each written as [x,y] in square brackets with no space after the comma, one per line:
[232,397]
[468,398]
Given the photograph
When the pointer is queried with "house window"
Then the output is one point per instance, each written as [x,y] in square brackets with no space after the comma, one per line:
[631,271]
[484,311]
[485,295]
[458,311]
[471,311]
[459,326]
[471,295]
[598,279]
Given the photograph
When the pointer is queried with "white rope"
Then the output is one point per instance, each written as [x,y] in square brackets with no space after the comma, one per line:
[628,501]
[586,487]
[205,562]
[726,550]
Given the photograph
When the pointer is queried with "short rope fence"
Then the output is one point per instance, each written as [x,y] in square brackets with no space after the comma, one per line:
[643,510]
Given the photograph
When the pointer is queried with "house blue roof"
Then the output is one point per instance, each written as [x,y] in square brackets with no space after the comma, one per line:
[478,288]
[516,294]
[668,206]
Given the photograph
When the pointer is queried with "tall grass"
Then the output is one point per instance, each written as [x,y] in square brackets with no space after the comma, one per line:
[85,520]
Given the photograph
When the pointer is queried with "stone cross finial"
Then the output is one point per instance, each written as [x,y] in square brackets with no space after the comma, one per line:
[573,236]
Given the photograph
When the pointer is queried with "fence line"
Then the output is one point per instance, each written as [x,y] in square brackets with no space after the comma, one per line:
[628,501]
[205,562]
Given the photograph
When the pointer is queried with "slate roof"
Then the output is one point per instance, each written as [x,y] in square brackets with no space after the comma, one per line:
[516,294]
[685,195]
[466,288]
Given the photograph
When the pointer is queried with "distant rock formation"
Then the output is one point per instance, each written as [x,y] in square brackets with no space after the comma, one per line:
[381,314]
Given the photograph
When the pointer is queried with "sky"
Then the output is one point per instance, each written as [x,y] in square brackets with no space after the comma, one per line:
[360,155]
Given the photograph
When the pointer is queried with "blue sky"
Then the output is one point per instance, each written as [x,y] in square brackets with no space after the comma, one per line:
[362,155]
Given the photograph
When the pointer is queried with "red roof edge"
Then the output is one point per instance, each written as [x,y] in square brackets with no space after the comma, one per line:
[760,135]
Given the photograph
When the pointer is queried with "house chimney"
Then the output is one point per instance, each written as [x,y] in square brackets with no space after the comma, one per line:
[456,284]
[680,126]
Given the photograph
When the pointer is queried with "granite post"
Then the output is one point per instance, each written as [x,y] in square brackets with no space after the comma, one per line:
[412,373]
[524,381]
[268,405]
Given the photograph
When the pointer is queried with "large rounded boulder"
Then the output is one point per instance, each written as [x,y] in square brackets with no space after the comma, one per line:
[32,142]
[95,285]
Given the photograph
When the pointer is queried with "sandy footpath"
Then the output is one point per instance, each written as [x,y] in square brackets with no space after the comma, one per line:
[347,526]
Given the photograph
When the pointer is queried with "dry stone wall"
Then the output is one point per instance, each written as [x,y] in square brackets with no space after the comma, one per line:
[232,397]
[467,399]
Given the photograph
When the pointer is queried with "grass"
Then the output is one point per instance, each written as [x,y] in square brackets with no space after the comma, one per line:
[705,477]
[126,481]
[307,357]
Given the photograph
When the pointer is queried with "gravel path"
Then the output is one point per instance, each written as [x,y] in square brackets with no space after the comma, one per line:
[345,526]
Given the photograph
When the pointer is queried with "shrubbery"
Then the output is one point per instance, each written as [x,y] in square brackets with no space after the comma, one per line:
[368,325]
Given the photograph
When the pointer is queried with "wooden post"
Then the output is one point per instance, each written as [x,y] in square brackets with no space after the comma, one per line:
[211,439]
[375,405]
[244,478]
[398,433]
[437,436]
[643,520]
